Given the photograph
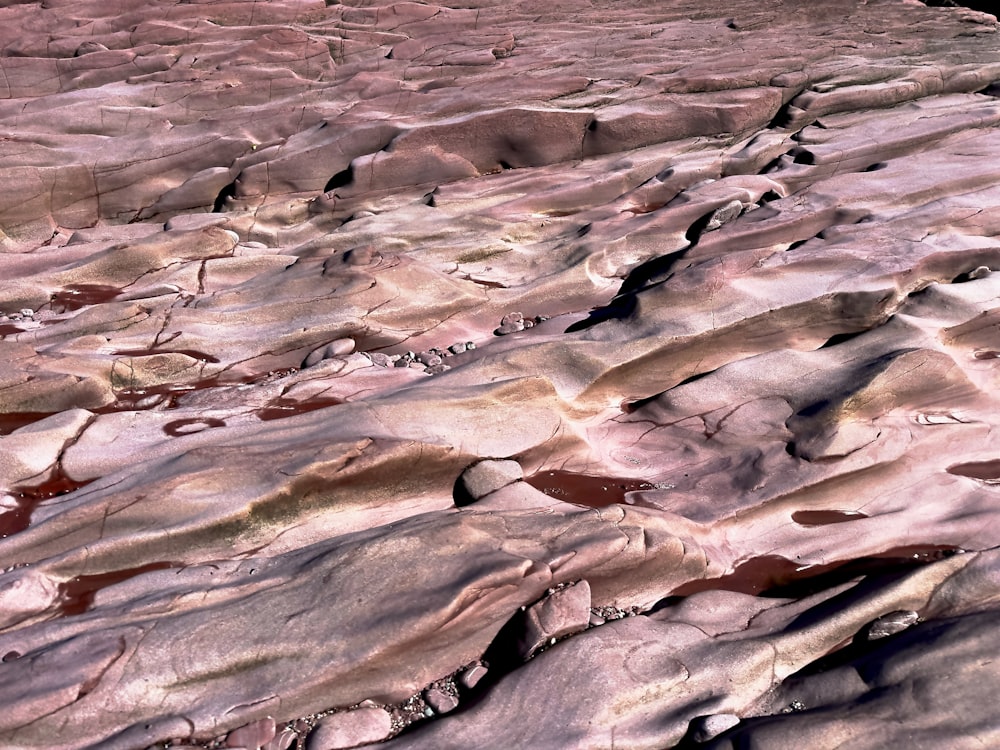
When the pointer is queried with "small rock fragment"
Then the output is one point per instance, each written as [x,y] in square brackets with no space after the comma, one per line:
[284,740]
[440,700]
[510,323]
[379,359]
[705,728]
[429,358]
[337,348]
[457,348]
[561,613]
[471,676]
[489,476]
[253,735]
[724,215]
[350,729]
[892,623]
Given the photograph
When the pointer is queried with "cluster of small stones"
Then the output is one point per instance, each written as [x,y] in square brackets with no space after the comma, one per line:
[440,697]
[515,321]
[27,315]
[601,615]
[430,361]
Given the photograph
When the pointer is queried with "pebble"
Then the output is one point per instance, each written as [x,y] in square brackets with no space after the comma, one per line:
[437,369]
[705,728]
[441,701]
[429,358]
[510,323]
[457,348]
[471,676]
[561,613]
[380,359]
[724,215]
[337,348]
[350,728]
[253,736]
[892,623]
[284,740]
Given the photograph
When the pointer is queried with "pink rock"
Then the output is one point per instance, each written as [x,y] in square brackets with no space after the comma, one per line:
[252,736]
[360,726]
[559,614]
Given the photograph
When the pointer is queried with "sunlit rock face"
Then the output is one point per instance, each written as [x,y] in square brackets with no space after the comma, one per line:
[499,375]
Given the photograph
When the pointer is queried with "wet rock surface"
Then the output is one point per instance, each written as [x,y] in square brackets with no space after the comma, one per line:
[295,295]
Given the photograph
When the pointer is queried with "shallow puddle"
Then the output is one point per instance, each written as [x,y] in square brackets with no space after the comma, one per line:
[987,471]
[192,353]
[30,497]
[77,296]
[78,593]
[281,408]
[773,575]
[826,517]
[17,420]
[191,425]
[583,489]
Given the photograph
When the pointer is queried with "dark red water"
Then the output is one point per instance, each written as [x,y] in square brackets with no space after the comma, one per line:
[193,353]
[78,593]
[29,497]
[825,517]
[17,420]
[76,296]
[583,489]
[281,407]
[985,470]
[192,425]
[773,575]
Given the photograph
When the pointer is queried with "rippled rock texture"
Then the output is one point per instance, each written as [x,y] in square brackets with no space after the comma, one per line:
[499,375]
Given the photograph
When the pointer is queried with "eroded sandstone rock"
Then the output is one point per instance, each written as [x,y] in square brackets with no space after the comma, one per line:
[285,282]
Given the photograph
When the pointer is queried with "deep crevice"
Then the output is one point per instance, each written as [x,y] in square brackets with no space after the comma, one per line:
[229,191]
[342,178]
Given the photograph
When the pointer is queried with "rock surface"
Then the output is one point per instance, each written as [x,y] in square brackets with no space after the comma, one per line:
[296,293]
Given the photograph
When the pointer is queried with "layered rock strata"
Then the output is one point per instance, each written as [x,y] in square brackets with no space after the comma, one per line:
[537,375]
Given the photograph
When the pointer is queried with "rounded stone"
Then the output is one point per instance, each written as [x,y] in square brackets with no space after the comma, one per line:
[253,735]
[489,476]
[350,729]
[471,676]
[705,728]
[442,701]
[892,623]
